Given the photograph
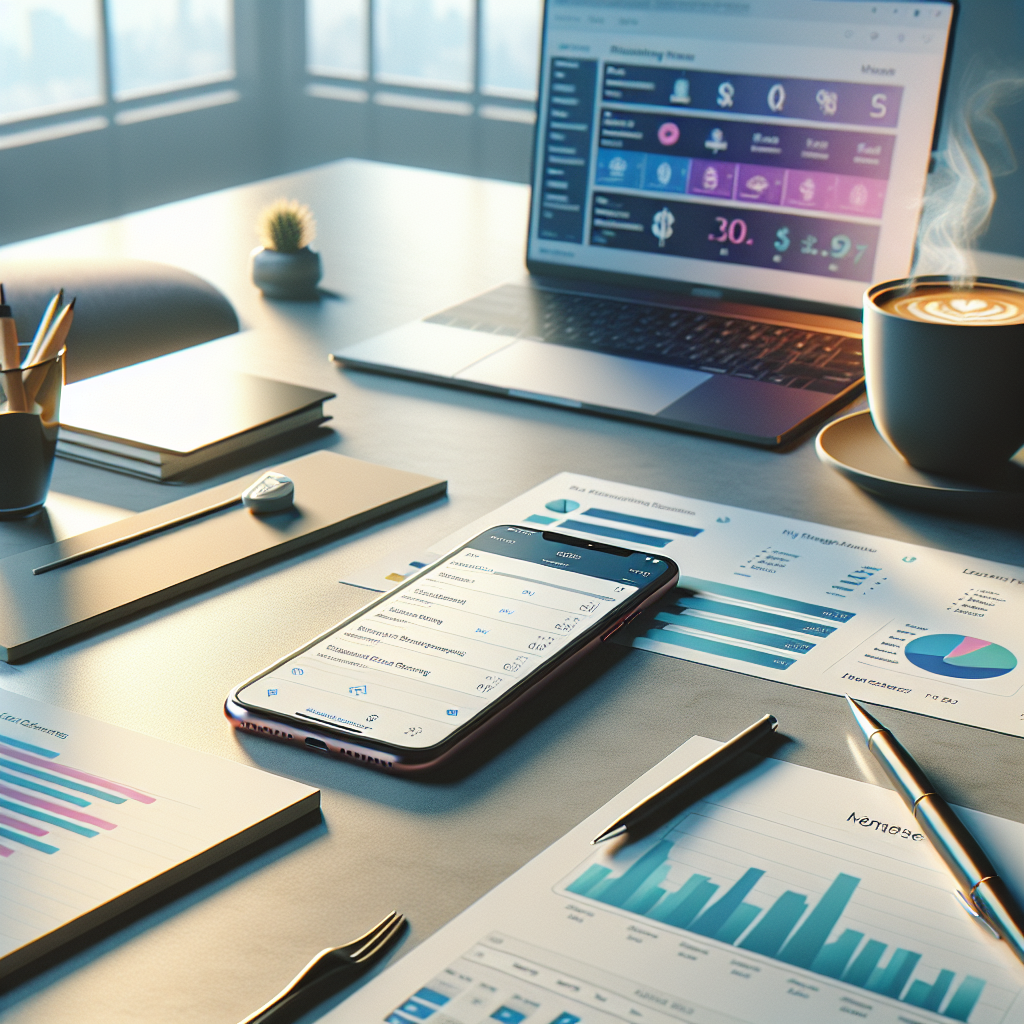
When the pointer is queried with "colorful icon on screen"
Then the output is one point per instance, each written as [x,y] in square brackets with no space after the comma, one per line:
[668,133]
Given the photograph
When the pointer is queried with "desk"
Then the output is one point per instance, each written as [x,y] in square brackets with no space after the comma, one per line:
[398,243]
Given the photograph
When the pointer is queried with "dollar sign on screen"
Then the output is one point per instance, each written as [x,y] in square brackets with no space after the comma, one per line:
[782,239]
[661,226]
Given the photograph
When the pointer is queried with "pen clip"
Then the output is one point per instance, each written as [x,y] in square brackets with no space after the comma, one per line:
[972,908]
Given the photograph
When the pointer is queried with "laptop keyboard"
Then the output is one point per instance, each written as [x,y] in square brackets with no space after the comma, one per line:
[787,356]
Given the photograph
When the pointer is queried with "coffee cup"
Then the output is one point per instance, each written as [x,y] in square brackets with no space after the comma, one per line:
[944,369]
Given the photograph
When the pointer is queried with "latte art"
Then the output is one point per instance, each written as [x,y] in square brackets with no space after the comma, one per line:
[969,308]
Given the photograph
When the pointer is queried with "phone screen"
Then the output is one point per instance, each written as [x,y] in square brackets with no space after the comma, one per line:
[418,664]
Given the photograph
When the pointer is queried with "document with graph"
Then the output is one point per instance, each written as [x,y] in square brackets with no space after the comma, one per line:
[788,897]
[897,624]
[94,818]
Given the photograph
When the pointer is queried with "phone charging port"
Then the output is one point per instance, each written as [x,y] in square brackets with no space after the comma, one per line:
[316,744]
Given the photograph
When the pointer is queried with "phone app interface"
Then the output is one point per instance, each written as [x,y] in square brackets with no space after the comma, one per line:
[421,663]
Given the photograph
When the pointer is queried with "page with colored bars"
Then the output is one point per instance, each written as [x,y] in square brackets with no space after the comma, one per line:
[94,817]
[789,896]
[898,624]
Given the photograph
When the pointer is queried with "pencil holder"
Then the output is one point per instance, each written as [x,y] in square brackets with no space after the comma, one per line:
[29,420]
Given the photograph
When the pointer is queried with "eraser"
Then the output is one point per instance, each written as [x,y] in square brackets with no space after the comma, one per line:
[272,492]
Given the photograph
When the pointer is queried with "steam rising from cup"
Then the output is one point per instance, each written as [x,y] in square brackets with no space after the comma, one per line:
[961,193]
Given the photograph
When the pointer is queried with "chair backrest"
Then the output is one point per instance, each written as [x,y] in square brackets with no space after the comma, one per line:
[127,310]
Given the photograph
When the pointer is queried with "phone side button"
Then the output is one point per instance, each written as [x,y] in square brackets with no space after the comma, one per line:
[629,618]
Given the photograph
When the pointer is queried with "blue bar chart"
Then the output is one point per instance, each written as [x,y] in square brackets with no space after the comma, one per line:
[792,927]
[744,625]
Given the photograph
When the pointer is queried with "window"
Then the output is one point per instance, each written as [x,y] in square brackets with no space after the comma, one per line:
[487,49]
[427,43]
[510,44]
[336,38]
[53,61]
[163,45]
[49,57]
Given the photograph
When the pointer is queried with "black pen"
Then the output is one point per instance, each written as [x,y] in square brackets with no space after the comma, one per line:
[693,776]
[982,892]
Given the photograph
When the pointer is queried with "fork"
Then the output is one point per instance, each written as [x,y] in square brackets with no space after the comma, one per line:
[327,971]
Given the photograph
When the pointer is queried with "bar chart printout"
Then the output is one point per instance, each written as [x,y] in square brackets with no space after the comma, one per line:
[791,927]
[94,817]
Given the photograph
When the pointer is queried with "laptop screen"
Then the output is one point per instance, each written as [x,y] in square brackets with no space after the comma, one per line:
[773,147]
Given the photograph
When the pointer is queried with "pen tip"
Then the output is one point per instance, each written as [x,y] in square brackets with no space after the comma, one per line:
[609,833]
[868,725]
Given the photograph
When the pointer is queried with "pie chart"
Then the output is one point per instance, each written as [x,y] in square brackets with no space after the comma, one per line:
[562,505]
[960,657]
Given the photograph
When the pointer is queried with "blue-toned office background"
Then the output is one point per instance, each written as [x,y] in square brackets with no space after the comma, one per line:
[108,106]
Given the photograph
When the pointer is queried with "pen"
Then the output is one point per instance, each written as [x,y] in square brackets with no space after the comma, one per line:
[693,776]
[982,892]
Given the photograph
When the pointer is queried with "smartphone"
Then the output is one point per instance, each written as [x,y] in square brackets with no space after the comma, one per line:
[411,678]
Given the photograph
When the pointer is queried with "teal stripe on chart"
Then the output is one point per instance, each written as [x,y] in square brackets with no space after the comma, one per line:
[808,939]
[607,531]
[36,788]
[699,643]
[662,911]
[928,997]
[735,611]
[861,968]
[721,910]
[542,520]
[889,981]
[769,600]
[960,1006]
[32,844]
[649,893]
[652,524]
[588,879]
[59,780]
[739,920]
[31,812]
[834,956]
[30,747]
[730,629]
[768,935]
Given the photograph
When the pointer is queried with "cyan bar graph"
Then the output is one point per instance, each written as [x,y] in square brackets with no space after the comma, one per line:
[790,930]
[736,611]
[768,600]
[651,524]
[736,632]
[702,643]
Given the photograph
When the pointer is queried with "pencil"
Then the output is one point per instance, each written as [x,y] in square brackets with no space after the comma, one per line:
[50,347]
[10,358]
[44,325]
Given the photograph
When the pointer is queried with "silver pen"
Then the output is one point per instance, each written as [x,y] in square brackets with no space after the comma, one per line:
[982,892]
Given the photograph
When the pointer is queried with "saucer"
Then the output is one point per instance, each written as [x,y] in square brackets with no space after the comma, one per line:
[852,446]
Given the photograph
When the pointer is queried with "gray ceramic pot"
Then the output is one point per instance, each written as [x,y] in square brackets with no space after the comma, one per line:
[286,275]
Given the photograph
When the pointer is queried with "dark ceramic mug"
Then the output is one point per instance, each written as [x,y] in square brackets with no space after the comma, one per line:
[948,397]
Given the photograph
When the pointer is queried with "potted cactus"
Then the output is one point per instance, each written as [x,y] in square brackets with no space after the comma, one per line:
[284,267]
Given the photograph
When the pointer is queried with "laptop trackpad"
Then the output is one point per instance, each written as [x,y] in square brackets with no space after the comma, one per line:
[578,377]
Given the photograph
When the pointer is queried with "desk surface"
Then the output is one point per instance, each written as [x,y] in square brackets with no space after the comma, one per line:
[398,243]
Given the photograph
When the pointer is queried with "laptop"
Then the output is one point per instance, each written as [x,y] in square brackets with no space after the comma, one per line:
[715,183]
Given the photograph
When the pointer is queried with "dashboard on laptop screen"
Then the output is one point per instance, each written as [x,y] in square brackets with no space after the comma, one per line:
[767,146]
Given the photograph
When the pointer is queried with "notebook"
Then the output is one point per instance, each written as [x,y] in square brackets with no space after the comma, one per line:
[714,186]
[94,819]
[178,412]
